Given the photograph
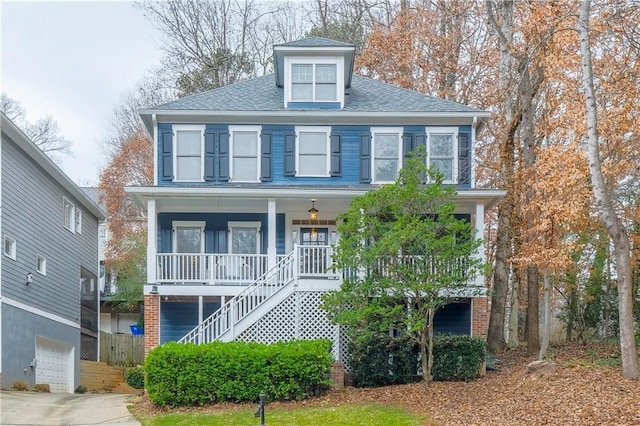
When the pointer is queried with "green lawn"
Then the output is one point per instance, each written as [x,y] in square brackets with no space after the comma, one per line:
[360,415]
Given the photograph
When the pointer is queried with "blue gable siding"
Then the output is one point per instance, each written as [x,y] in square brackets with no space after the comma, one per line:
[219,221]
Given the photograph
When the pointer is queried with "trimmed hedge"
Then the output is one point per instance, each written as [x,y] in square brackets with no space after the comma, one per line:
[457,357]
[189,374]
[381,360]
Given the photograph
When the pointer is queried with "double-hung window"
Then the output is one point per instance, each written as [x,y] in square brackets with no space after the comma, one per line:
[312,146]
[314,82]
[9,248]
[189,153]
[245,143]
[69,215]
[442,151]
[387,149]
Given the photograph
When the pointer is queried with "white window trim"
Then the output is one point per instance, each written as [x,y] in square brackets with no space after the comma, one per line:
[72,220]
[187,128]
[338,61]
[78,219]
[258,131]
[14,247]
[314,129]
[376,130]
[247,224]
[444,130]
[187,224]
[41,267]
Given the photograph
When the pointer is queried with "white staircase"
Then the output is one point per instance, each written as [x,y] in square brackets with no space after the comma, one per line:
[239,313]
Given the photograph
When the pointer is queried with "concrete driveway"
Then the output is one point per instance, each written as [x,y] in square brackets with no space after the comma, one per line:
[57,409]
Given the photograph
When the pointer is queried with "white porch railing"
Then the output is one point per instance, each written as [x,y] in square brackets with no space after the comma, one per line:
[219,268]
[224,319]
[316,261]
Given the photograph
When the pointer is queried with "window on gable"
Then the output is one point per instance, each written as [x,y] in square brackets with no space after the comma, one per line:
[41,265]
[189,153]
[313,151]
[442,152]
[387,159]
[245,166]
[314,82]
[10,247]
[69,215]
[79,221]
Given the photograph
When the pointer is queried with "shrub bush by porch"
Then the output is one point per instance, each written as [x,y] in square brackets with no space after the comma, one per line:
[457,357]
[381,360]
[189,374]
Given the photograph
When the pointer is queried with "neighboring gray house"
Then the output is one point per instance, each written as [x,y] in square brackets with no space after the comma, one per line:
[48,268]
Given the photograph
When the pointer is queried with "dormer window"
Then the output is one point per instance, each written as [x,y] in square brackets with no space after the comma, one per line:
[314,82]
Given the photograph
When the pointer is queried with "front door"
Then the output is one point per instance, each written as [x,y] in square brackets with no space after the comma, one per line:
[245,240]
[189,244]
[314,260]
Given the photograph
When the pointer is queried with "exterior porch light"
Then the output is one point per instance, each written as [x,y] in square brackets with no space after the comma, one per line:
[154,289]
[313,212]
[29,278]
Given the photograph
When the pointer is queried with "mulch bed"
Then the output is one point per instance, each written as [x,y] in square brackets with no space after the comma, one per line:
[586,388]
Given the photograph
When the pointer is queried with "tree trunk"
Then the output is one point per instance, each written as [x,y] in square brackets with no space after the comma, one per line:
[613,223]
[533,321]
[495,333]
[546,331]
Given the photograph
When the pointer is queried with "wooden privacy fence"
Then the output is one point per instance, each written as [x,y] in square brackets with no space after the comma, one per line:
[124,350]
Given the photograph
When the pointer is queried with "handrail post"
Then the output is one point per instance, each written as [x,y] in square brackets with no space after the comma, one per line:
[296,264]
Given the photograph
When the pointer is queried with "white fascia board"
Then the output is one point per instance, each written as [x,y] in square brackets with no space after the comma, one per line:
[292,114]
[308,50]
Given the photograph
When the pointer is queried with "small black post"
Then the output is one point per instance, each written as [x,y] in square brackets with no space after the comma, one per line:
[260,411]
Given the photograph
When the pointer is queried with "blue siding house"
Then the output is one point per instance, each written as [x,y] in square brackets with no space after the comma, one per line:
[48,269]
[249,180]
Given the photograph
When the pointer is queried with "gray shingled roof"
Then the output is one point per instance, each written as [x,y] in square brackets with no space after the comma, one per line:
[364,95]
[94,194]
[315,42]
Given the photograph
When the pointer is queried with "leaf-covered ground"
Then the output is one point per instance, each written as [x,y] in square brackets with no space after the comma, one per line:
[586,388]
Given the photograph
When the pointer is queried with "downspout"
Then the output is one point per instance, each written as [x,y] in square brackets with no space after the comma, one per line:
[155,149]
[472,157]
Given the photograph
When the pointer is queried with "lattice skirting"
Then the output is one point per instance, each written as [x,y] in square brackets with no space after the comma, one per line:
[298,317]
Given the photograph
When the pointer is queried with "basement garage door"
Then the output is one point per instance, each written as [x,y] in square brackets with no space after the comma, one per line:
[54,364]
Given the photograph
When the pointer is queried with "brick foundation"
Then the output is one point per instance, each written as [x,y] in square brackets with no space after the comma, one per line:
[480,317]
[337,376]
[151,322]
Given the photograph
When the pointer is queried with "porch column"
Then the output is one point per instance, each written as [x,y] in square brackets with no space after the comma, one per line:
[480,235]
[271,237]
[152,237]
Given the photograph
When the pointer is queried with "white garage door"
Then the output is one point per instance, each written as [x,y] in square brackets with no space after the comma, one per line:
[54,364]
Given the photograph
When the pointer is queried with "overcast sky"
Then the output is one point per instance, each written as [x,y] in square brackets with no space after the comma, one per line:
[75,61]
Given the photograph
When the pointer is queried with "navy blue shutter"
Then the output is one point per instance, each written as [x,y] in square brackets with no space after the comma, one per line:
[209,240]
[365,158]
[336,155]
[220,245]
[265,162]
[166,145]
[223,156]
[419,140]
[166,245]
[464,158]
[209,155]
[290,154]
[407,144]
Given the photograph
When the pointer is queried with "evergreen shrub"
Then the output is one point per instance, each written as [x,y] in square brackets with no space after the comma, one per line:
[189,374]
[457,357]
[380,360]
[134,376]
